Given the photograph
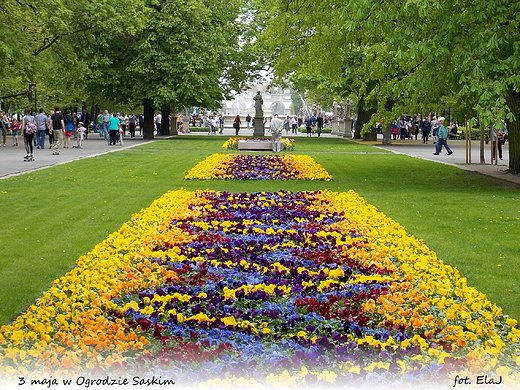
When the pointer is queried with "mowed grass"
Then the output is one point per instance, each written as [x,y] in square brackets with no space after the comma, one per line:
[53,216]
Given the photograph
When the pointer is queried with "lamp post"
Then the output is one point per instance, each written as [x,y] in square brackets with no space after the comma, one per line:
[32,86]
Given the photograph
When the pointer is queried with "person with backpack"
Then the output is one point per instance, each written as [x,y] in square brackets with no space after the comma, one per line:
[426,128]
[70,127]
[28,130]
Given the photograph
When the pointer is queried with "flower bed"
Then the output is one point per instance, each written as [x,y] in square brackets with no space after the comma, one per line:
[265,289]
[258,167]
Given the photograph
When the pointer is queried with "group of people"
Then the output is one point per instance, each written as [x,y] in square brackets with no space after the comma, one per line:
[314,124]
[33,128]
[215,123]
[405,127]
[109,128]
[60,127]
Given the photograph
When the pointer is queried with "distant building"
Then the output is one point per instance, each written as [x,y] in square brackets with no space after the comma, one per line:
[276,101]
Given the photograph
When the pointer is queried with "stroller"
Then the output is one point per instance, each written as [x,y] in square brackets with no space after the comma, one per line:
[119,137]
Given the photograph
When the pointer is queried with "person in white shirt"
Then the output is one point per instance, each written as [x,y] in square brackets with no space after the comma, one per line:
[294,125]
[157,120]
[276,133]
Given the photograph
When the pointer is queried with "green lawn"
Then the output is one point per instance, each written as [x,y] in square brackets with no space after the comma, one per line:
[53,216]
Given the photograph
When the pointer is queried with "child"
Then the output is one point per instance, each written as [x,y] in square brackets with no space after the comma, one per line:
[80,134]
[15,128]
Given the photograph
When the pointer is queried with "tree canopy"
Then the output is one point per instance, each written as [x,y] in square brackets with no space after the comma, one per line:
[389,56]
[396,56]
[174,53]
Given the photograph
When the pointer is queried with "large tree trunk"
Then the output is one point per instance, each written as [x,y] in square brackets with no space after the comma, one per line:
[364,116]
[165,121]
[513,133]
[387,135]
[148,132]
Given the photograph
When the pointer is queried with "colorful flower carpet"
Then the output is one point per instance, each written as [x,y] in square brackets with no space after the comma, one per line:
[262,290]
[258,167]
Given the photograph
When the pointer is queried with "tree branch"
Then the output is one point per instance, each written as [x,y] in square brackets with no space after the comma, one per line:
[22,4]
[48,42]
[16,95]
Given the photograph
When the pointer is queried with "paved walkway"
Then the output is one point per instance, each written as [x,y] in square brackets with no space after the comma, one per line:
[12,162]
[11,158]
[458,158]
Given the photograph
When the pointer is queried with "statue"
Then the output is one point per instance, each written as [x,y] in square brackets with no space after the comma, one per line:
[335,109]
[341,110]
[348,108]
[259,113]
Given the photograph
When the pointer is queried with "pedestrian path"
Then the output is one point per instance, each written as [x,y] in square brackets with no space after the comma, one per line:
[12,157]
[467,159]
[12,162]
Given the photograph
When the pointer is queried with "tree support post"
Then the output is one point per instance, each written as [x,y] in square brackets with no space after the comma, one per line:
[468,143]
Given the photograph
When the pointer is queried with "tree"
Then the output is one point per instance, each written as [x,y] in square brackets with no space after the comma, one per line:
[182,56]
[45,43]
[414,54]
[330,48]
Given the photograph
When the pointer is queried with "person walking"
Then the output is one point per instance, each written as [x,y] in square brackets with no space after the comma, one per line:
[58,130]
[500,135]
[319,123]
[15,131]
[113,128]
[28,130]
[221,122]
[106,124]
[124,123]
[403,130]
[248,121]
[81,130]
[4,126]
[99,124]
[287,124]
[426,128]
[294,125]
[49,129]
[276,133]
[308,126]
[158,123]
[41,127]
[141,124]
[70,127]
[132,120]
[236,124]
[442,137]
